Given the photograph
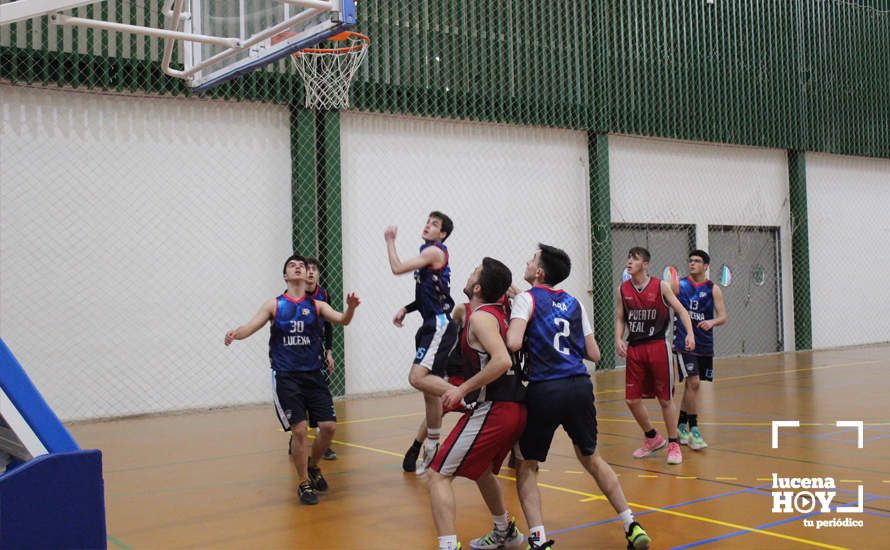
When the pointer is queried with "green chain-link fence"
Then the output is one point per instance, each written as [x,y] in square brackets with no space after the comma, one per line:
[140,220]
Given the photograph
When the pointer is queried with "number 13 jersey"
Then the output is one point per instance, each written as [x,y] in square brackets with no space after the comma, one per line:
[554,338]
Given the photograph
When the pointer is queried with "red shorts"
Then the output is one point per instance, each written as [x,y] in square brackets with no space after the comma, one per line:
[648,372]
[459,407]
[481,439]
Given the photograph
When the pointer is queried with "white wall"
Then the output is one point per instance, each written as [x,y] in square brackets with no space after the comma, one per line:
[848,201]
[133,233]
[506,187]
[666,182]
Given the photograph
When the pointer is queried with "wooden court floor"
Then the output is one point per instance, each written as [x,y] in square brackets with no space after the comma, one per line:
[222,479]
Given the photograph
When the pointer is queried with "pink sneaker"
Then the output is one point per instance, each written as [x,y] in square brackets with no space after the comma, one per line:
[650,446]
[674,454]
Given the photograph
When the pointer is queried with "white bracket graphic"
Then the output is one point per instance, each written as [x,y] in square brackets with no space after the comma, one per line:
[782,424]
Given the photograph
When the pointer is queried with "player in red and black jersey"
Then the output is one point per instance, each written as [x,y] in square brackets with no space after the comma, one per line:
[643,309]
[484,436]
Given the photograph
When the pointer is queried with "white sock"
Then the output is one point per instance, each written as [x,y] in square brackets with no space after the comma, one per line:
[627,517]
[538,532]
[501,522]
[432,434]
[448,542]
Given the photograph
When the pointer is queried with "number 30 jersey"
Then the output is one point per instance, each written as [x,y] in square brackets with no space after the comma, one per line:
[295,335]
[554,337]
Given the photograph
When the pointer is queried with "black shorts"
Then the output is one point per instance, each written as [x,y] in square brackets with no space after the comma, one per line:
[551,403]
[433,343]
[695,365]
[298,394]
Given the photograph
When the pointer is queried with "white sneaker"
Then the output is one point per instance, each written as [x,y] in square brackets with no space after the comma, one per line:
[511,538]
[429,453]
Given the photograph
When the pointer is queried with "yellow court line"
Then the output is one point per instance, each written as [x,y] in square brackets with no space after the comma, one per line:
[726,478]
[802,369]
[590,497]
[686,477]
[376,418]
[850,481]
[647,475]
[737,527]
[573,472]
[764,479]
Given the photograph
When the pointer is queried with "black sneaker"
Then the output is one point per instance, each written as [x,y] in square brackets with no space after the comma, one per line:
[307,493]
[329,454]
[318,481]
[533,544]
[409,463]
[637,539]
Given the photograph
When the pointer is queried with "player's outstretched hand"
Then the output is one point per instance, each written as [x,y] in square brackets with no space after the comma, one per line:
[690,342]
[390,233]
[329,359]
[512,292]
[230,337]
[352,300]
[399,317]
[621,347]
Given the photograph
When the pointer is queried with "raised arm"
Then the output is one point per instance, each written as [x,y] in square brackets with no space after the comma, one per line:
[719,311]
[330,314]
[681,312]
[430,256]
[263,316]
[484,330]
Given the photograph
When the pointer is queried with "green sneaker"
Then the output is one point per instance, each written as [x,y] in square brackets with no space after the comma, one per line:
[684,434]
[637,539]
[497,540]
[696,442]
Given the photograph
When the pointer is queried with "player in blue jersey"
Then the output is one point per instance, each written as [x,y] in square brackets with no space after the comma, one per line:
[318,292]
[553,330]
[704,302]
[295,343]
[437,335]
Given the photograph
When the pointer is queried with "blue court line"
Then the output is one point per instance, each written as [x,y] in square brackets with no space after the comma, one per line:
[871,513]
[679,504]
[761,527]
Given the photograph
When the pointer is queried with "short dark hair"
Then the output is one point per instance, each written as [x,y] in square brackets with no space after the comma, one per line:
[310,260]
[639,252]
[495,278]
[701,254]
[447,224]
[555,263]
[292,257]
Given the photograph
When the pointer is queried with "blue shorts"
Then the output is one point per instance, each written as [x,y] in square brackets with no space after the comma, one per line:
[695,365]
[434,341]
[551,403]
[301,395]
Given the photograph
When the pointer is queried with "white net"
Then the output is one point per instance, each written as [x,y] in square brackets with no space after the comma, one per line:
[327,72]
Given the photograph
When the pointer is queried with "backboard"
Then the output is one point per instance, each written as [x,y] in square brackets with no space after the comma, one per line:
[254,23]
[218,39]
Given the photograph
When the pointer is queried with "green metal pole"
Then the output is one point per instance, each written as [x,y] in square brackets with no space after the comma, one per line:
[800,250]
[601,248]
[330,236]
[303,191]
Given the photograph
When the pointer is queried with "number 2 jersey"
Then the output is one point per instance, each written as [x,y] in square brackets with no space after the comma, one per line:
[295,336]
[645,312]
[508,387]
[554,337]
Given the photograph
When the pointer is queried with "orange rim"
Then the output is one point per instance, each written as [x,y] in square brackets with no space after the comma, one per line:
[346,35]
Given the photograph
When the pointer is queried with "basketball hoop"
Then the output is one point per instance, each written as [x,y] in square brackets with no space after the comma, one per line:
[327,72]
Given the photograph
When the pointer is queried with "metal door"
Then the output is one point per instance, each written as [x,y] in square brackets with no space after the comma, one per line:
[753,296]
